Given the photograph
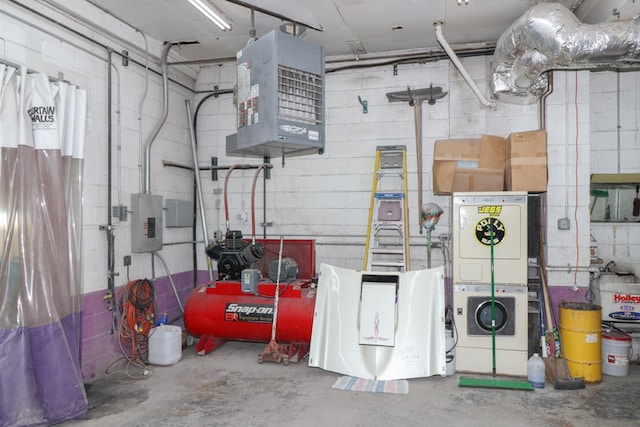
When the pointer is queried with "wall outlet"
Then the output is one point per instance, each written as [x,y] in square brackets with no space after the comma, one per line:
[127,260]
[564,224]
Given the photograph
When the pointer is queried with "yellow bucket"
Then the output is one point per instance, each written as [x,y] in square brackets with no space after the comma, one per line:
[581,338]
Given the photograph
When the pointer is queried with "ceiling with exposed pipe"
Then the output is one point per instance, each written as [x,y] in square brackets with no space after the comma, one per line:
[348,29]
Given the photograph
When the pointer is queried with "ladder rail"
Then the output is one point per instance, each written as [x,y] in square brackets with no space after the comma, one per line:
[406,210]
[374,187]
[390,161]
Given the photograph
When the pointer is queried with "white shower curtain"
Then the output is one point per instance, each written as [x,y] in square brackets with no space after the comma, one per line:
[42,130]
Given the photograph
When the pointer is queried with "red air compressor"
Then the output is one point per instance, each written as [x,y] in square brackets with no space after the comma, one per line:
[244,310]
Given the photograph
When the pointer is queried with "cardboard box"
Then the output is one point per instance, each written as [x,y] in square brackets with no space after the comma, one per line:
[526,161]
[468,164]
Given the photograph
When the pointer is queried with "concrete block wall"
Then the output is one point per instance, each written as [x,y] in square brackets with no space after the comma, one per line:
[569,170]
[615,148]
[31,38]
[325,197]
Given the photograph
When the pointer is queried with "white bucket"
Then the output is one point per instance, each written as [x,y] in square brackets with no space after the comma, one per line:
[165,345]
[616,348]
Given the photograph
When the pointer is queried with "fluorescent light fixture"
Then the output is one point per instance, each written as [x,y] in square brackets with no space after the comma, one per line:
[214,16]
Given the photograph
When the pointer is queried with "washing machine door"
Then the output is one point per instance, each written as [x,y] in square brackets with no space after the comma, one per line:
[479,315]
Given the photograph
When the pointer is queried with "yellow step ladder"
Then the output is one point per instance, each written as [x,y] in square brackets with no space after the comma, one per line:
[387,244]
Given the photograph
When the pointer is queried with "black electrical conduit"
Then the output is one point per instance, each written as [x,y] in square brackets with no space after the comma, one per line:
[169,163]
[273,14]
[109,227]
[215,93]
[198,196]
[394,59]
[363,62]
[84,37]
[253,199]
[111,287]
[419,58]
[409,59]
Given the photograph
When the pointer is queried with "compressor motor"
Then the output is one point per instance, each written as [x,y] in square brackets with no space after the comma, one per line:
[234,255]
[288,270]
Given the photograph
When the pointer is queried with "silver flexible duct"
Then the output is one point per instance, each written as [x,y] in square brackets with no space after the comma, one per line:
[549,37]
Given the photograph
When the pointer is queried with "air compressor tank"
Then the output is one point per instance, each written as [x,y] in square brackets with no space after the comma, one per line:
[220,309]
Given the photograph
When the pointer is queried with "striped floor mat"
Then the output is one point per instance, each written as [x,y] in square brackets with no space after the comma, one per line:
[372,386]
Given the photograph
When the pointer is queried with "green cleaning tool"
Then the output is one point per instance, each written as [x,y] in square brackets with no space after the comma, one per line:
[494,382]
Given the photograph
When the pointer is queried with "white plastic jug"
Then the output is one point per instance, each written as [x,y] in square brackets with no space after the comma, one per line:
[535,371]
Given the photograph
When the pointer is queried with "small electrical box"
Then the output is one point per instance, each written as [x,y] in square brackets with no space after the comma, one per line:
[250,280]
[179,213]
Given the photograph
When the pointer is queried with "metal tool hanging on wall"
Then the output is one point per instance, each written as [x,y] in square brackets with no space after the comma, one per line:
[415,97]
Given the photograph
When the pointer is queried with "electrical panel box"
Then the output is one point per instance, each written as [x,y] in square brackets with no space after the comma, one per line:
[280,91]
[146,223]
[179,213]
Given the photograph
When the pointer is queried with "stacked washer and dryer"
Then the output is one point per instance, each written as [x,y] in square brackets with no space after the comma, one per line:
[476,216]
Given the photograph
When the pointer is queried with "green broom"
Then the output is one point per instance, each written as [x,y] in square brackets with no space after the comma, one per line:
[494,382]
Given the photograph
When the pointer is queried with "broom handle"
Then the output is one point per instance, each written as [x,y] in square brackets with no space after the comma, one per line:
[493,305]
[547,309]
[547,299]
[277,295]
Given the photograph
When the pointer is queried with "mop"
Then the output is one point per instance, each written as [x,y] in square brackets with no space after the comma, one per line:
[494,382]
[415,98]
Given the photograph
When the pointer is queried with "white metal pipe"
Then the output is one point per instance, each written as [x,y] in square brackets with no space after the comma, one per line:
[173,285]
[456,61]
[277,295]
[163,118]
[571,268]
[196,174]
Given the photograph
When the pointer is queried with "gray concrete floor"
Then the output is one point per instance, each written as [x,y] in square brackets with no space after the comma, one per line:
[229,388]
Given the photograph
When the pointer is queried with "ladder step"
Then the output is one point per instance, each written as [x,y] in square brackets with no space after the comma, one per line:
[384,148]
[388,251]
[391,157]
[388,225]
[389,196]
[386,264]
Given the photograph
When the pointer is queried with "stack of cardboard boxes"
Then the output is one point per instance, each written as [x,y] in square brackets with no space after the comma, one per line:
[491,163]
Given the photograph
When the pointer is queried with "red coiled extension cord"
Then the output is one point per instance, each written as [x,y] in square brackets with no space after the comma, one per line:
[137,305]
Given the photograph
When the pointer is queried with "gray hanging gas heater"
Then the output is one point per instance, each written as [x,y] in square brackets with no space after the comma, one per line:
[280,96]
